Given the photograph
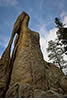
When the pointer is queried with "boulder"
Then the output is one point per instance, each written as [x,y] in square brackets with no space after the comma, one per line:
[48,94]
[63,83]
[53,74]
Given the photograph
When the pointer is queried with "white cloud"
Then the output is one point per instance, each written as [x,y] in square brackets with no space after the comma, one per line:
[65,21]
[8,2]
[46,36]
[63,14]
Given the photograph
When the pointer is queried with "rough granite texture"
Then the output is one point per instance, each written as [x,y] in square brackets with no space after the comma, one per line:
[63,83]
[27,74]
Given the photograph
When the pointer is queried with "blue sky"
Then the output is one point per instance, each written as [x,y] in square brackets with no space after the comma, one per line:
[42,14]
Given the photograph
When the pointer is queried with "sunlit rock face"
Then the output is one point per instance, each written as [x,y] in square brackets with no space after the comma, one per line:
[29,75]
[28,66]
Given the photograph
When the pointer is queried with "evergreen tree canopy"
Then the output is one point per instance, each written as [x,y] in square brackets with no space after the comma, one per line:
[55,54]
[61,33]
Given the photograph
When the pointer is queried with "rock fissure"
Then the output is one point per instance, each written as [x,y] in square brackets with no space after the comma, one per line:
[32,79]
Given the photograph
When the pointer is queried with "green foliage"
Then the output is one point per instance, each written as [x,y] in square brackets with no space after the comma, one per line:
[59,24]
[61,33]
[58,48]
[55,54]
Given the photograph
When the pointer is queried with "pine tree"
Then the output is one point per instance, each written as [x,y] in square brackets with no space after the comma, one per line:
[61,33]
[55,54]
[59,23]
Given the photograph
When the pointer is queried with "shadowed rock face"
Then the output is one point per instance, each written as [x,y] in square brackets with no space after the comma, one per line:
[28,74]
[63,83]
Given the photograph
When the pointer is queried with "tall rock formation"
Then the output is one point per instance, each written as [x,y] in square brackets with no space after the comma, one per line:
[5,65]
[30,75]
[28,66]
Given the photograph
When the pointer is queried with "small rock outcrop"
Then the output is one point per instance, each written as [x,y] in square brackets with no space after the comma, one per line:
[29,76]
[63,83]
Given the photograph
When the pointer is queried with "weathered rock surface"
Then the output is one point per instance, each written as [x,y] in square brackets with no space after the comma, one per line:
[5,59]
[53,74]
[63,83]
[30,76]
[28,66]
